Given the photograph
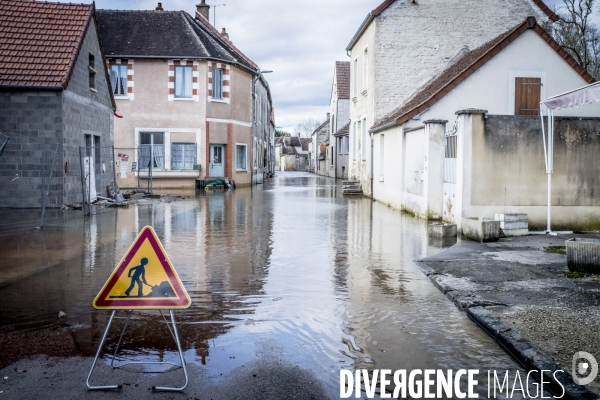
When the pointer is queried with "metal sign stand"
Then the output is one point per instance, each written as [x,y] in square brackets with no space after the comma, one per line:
[175,336]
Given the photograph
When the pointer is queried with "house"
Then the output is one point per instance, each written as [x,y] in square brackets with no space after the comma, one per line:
[191,101]
[293,155]
[263,130]
[469,143]
[320,147]
[391,57]
[277,153]
[54,89]
[339,108]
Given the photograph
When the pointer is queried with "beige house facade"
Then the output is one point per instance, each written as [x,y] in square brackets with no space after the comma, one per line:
[185,94]
[391,57]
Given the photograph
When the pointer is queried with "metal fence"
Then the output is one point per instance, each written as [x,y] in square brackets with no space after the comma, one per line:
[28,182]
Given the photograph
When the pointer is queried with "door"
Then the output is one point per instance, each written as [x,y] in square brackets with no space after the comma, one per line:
[217,161]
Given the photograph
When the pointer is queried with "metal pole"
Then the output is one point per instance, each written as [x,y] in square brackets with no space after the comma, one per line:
[170,389]
[82,167]
[114,166]
[87,382]
[42,181]
[549,227]
[151,166]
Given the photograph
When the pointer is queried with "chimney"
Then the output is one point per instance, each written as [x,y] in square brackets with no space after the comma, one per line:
[224,33]
[202,9]
[159,7]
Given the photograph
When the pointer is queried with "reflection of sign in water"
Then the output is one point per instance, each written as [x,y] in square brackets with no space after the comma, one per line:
[133,166]
[124,165]
[144,279]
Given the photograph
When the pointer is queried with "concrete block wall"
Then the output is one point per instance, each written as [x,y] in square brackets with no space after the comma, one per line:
[407,58]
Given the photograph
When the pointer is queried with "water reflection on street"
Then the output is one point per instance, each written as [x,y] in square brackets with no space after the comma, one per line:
[290,270]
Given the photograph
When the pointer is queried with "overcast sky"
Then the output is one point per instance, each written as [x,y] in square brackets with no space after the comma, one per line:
[299,40]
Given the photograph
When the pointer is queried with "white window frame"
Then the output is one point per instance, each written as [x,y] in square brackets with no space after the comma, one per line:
[354,142]
[117,75]
[363,145]
[237,168]
[355,81]
[191,78]
[381,156]
[218,84]
[184,159]
[365,83]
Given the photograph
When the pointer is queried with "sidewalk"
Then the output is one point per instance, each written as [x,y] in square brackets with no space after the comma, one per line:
[520,291]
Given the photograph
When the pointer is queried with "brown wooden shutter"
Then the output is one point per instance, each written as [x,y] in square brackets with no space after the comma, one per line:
[527,96]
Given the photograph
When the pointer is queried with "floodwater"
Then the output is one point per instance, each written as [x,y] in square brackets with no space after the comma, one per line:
[290,270]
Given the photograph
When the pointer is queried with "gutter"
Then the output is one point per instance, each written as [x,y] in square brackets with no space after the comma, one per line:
[383,127]
[27,87]
[360,31]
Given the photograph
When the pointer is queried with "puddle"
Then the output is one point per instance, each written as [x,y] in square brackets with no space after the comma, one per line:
[290,269]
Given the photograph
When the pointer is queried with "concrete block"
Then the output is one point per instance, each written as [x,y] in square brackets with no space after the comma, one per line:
[583,255]
[514,225]
[442,230]
[515,232]
[511,217]
[482,230]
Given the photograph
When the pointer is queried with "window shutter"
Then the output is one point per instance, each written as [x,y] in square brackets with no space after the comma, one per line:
[527,96]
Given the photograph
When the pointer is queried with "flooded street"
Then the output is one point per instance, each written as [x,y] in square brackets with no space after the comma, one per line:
[290,271]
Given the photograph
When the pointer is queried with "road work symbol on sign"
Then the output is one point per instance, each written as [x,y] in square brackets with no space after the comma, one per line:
[144,279]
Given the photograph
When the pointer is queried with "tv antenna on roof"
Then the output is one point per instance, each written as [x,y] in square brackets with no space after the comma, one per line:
[215,13]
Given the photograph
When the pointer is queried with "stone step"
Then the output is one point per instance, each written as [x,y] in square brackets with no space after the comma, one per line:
[352,191]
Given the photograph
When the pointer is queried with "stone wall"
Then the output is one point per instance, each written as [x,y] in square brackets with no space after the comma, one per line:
[86,112]
[416,41]
[33,121]
[509,173]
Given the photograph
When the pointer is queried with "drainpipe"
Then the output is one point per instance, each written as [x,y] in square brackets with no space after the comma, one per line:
[254,79]
[372,188]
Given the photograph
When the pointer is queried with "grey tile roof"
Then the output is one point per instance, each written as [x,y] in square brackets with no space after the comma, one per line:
[166,34]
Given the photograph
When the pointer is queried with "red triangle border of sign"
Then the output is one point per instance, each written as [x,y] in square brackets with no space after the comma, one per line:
[148,303]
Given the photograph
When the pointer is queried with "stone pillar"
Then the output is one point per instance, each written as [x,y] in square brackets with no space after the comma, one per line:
[433,167]
[467,119]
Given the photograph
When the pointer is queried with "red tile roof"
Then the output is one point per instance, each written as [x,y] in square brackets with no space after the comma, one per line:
[467,65]
[342,73]
[40,42]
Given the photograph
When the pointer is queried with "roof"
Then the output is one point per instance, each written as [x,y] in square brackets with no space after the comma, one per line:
[287,146]
[165,34]
[343,131]
[383,6]
[342,74]
[304,142]
[464,67]
[278,140]
[40,42]
[295,141]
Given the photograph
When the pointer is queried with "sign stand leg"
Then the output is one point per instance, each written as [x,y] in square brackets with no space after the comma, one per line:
[87,382]
[180,356]
[173,333]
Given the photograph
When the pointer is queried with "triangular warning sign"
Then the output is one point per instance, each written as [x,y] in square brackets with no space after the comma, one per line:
[144,279]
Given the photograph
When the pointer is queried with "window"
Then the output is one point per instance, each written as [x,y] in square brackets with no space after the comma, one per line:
[217,83]
[345,145]
[92,72]
[365,70]
[332,155]
[354,144]
[333,124]
[364,139]
[381,156]
[355,77]
[118,79]
[527,96]
[183,81]
[240,156]
[183,155]
[152,145]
